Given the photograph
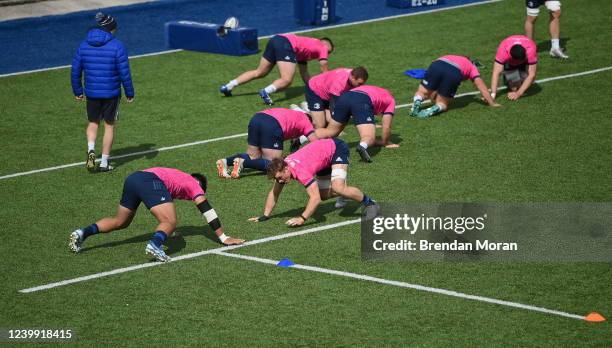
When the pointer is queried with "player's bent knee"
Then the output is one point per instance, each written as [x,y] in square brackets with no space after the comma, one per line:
[338,180]
[286,82]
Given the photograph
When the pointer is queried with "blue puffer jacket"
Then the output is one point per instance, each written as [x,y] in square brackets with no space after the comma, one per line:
[106,66]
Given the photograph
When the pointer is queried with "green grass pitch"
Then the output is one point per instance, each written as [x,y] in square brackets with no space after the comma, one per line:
[554,145]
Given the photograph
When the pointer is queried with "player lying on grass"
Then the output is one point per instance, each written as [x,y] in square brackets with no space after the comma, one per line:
[441,82]
[156,187]
[322,91]
[267,131]
[322,167]
[363,103]
[286,51]
[517,59]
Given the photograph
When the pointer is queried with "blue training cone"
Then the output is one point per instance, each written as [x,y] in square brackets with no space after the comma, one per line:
[415,73]
[285,263]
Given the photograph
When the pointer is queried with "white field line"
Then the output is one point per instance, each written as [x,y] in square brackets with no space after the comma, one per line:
[268,36]
[409,286]
[139,153]
[548,79]
[187,256]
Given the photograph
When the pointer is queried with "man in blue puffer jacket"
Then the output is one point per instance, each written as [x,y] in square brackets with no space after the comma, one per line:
[105,62]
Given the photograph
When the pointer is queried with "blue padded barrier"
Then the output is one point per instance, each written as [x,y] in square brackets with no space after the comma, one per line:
[204,37]
[314,12]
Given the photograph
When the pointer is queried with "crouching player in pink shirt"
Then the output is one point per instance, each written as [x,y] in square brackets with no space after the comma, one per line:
[267,131]
[441,82]
[156,188]
[285,50]
[363,103]
[322,91]
[322,167]
[517,59]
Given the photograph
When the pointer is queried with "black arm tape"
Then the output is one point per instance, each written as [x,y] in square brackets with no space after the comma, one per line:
[210,215]
[204,207]
[215,224]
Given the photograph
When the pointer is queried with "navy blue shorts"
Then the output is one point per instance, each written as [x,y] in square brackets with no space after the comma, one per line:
[443,78]
[341,156]
[279,48]
[144,187]
[315,103]
[357,104]
[103,109]
[534,3]
[265,132]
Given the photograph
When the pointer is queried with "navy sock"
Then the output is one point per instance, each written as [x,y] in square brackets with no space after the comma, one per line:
[229,160]
[159,238]
[367,200]
[259,164]
[90,230]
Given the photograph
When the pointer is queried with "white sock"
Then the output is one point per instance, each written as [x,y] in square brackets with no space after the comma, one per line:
[555,44]
[363,144]
[417,97]
[303,139]
[231,84]
[270,89]
[104,160]
[91,145]
[441,107]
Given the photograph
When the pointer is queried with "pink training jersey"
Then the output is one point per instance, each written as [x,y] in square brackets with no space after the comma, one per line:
[293,123]
[305,163]
[382,100]
[307,48]
[503,51]
[333,82]
[468,70]
[180,184]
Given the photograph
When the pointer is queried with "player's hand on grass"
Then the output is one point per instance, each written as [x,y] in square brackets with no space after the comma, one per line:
[495,105]
[296,221]
[513,95]
[259,218]
[233,241]
[129,99]
[78,97]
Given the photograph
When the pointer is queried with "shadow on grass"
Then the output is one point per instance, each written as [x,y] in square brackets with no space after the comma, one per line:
[133,153]
[174,243]
[289,93]
[374,150]
[532,90]
[350,210]
[544,46]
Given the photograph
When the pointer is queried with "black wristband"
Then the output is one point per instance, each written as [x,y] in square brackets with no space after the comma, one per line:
[303,218]
[263,218]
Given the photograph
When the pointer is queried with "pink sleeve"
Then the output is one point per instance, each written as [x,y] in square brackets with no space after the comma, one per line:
[474,73]
[390,109]
[193,190]
[307,127]
[303,177]
[323,54]
[532,56]
[501,56]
